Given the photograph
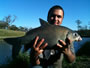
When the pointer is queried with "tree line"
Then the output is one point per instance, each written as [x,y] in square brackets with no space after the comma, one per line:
[7,21]
[85,27]
[84,31]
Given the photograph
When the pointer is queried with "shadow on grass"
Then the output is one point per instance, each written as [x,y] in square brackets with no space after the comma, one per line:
[81,62]
[22,61]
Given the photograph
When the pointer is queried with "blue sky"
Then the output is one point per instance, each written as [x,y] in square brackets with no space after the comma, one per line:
[28,12]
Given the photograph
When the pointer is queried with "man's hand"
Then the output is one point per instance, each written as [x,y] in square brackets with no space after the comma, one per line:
[37,50]
[65,48]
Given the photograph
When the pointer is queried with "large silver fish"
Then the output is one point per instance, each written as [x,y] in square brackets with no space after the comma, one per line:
[51,33]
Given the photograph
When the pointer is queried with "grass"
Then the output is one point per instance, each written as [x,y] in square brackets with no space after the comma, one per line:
[22,61]
[81,62]
[10,33]
[82,58]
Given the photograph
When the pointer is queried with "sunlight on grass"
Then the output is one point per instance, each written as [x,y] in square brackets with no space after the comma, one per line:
[10,33]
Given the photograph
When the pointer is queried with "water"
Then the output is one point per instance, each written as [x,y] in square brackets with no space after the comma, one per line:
[78,45]
[5,53]
[6,50]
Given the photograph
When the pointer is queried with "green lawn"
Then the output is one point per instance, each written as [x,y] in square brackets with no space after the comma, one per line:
[10,33]
[81,62]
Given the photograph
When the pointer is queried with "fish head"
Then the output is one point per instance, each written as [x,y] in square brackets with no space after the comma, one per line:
[74,36]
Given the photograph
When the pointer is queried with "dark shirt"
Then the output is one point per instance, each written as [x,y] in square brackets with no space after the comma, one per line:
[53,58]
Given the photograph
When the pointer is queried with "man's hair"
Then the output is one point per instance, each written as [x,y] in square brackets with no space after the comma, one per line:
[53,8]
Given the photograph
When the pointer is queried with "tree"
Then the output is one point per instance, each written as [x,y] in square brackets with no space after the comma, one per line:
[8,19]
[86,27]
[89,24]
[13,27]
[3,25]
[21,28]
[78,24]
[25,29]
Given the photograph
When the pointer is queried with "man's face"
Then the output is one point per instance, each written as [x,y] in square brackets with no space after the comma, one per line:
[56,17]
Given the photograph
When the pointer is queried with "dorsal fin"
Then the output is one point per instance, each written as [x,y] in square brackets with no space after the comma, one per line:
[43,22]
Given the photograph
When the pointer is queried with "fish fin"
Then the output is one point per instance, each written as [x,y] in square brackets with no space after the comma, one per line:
[16,45]
[15,51]
[12,41]
[43,22]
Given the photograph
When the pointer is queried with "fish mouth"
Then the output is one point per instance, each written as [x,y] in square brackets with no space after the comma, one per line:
[80,39]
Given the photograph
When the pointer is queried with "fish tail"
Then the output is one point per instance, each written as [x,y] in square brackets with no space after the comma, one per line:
[16,45]
[12,41]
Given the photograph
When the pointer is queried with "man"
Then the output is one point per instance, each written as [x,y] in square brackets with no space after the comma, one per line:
[55,17]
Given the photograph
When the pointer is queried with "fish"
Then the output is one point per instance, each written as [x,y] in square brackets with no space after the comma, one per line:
[51,33]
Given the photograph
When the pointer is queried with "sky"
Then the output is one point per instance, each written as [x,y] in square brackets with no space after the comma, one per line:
[28,12]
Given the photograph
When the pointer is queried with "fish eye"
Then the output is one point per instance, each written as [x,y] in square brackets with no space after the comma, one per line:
[75,34]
